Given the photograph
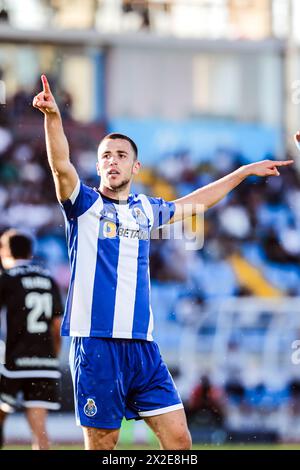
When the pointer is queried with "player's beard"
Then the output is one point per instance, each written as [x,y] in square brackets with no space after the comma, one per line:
[120,186]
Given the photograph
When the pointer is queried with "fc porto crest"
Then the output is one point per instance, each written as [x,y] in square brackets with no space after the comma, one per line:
[90,408]
[139,216]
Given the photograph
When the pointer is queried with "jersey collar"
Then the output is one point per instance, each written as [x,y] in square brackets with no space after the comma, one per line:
[22,262]
[115,201]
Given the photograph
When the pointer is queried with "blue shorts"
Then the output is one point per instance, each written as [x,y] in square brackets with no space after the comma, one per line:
[114,378]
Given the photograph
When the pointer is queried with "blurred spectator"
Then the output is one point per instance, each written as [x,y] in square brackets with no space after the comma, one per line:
[206,405]
[235,391]
[294,393]
[190,308]
[20,104]
[275,251]
[141,8]
[65,101]
[4,16]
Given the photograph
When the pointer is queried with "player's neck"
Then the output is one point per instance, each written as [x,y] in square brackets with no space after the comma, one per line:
[121,195]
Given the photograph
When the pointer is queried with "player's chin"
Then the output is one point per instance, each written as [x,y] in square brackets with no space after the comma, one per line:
[118,186]
[113,183]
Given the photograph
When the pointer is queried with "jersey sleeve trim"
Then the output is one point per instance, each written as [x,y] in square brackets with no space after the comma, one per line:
[163,211]
[81,200]
[75,193]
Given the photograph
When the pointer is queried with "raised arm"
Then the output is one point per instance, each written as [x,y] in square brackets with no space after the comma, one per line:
[64,173]
[206,197]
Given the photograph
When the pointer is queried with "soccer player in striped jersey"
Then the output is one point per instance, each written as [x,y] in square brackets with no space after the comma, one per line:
[116,366]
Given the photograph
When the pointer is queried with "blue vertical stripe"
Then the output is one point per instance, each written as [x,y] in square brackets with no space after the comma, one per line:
[142,298]
[142,301]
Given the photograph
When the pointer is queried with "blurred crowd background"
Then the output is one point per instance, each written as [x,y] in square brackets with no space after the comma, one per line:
[202,86]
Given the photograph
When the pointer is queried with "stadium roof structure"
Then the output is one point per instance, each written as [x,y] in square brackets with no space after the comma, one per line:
[138,39]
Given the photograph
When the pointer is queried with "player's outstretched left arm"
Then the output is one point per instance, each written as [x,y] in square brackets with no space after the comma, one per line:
[206,197]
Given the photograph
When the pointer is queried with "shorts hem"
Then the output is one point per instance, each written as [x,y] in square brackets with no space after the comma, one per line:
[160,411]
[98,425]
[104,335]
[6,407]
[51,406]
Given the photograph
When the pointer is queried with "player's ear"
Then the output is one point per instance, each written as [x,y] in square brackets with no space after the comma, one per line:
[97,168]
[136,167]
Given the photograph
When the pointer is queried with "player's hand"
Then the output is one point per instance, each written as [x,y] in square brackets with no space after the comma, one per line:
[44,101]
[267,167]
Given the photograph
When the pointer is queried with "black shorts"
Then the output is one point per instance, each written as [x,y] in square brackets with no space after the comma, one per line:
[29,393]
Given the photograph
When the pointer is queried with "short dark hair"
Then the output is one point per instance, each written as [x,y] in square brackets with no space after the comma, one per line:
[19,244]
[115,135]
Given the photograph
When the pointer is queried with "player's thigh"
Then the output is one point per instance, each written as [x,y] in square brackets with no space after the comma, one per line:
[171,429]
[153,391]
[100,439]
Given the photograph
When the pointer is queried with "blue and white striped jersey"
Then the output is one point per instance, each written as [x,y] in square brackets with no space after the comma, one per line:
[108,241]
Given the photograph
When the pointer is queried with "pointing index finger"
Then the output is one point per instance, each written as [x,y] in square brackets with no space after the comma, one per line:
[46,86]
[284,163]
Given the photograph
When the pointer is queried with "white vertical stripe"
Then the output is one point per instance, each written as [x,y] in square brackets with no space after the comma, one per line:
[86,260]
[147,208]
[127,277]
[151,319]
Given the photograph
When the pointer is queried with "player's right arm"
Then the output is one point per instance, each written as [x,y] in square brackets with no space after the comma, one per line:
[56,318]
[55,333]
[64,174]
